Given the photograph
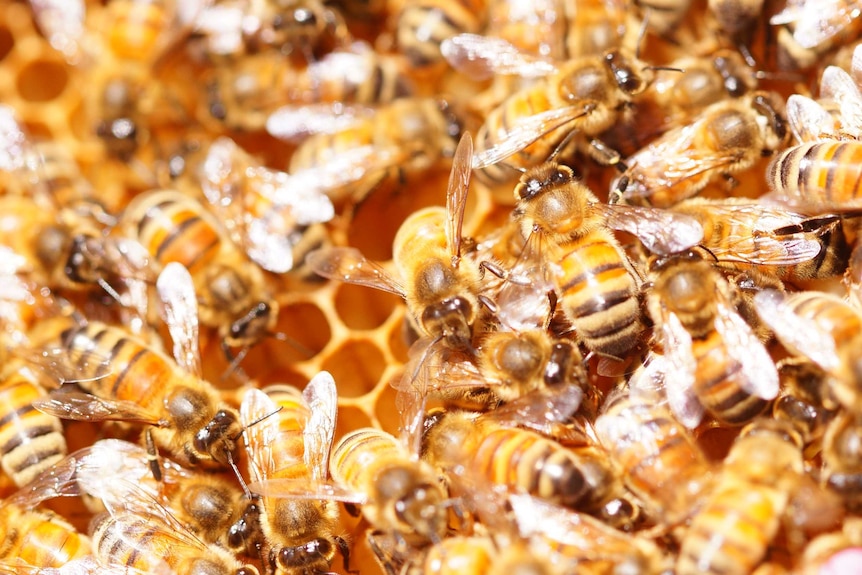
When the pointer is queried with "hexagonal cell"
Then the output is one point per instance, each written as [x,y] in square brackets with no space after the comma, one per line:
[350,417]
[385,411]
[400,339]
[360,307]
[356,366]
[7,42]
[42,80]
[307,327]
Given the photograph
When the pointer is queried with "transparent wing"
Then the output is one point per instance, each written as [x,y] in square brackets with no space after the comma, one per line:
[801,335]
[306,489]
[523,301]
[347,167]
[293,123]
[15,149]
[350,266]
[526,131]
[321,396]
[663,232]
[482,57]
[680,374]
[838,86]
[541,409]
[259,417]
[62,23]
[456,195]
[176,289]
[759,376]
[85,407]
[815,23]
[808,121]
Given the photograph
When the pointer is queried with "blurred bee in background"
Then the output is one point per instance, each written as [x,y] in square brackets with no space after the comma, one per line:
[349,155]
[421,26]
[657,457]
[754,494]
[842,460]
[440,289]
[263,213]
[807,30]
[772,243]
[725,138]
[243,95]
[127,380]
[663,17]
[715,361]
[597,285]
[804,400]
[288,436]
[738,20]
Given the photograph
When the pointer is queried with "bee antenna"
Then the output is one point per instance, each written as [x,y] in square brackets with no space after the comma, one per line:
[563,143]
[239,477]
[281,336]
[666,68]
[235,360]
[255,422]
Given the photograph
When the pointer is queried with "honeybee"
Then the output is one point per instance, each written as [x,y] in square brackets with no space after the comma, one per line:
[262,212]
[663,17]
[657,456]
[127,380]
[743,234]
[804,400]
[423,25]
[725,138]
[807,30]
[245,93]
[596,283]
[586,95]
[758,481]
[299,534]
[823,328]
[842,461]
[716,362]
[30,441]
[408,136]
[234,298]
[737,21]
[440,290]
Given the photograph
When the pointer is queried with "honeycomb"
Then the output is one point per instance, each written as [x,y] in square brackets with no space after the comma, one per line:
[360,335]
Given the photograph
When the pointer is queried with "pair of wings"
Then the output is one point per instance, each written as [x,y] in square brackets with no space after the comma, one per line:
[264,210]
[817,23]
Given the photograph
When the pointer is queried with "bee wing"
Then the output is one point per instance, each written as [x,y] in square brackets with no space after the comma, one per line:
[523,299]
[839,86]
[540,410]
[456,195]
[856,65]
[800,335]
[815,23]
[526,131]
[62,23]
[669,161]
[663,232]
[293,123]
[15,148]
[350,266]
[305,488]
[759,376]
[482,57]
[347,167]
[321,396]
[680,374]
[221,24]
[808,121]
[763,247]
[180,313]
[85,407]
[258,414]
[58,481]
[55,367]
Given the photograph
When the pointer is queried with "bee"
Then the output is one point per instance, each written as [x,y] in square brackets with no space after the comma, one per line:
[597,285]
[715,360]
[822,328]
[234,297]
[808,30]
[725,138]
[440,289]
[586,95]
[804,400]
[732,532]
[126,379]
[663,17]
[407,136]
[842,461]
[299,534]
[262,212]
[422,26]
[770,241]
[245,93]
[30,441]
[657,456]
[33,538]
[737,21]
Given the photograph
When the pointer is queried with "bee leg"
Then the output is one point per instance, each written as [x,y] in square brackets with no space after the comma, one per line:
[344,549]
[153,455]
[493,268]
[607,156]
[382,557]
[233,362]
[488,303]
[731,182]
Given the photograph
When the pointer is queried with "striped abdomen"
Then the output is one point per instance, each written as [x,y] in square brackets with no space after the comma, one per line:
[732,532]
[174,228]
[30,441]
[360,454]
[287,447]
[827,173]
[424,24]
[599,294]
[718,380]
[39,538]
